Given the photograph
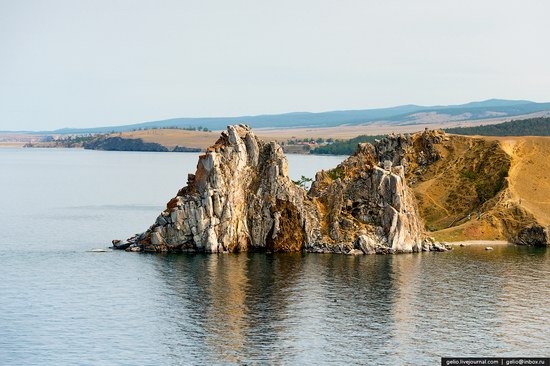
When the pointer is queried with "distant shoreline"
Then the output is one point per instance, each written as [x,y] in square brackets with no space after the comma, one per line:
[11,145]
[467,243]
[82,148]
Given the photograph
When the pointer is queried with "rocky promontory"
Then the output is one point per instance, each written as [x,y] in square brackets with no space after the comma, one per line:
[242,199]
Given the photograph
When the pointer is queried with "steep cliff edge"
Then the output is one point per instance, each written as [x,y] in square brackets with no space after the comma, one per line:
[241,199]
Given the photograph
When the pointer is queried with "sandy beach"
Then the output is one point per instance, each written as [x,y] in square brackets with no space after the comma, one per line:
[479,242]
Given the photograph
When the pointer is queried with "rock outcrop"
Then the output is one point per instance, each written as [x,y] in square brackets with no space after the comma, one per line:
[414,152]
[534,235]
[369,205]
[242,199]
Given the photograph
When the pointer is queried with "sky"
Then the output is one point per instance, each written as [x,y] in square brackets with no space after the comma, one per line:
[66,63]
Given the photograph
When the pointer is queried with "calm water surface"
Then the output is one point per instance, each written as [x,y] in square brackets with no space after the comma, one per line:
[60,304]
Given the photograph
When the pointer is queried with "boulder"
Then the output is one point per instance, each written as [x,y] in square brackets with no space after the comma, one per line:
[355,252]
[367,244]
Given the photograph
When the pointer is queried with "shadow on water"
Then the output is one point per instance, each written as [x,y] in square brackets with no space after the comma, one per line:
[310,308]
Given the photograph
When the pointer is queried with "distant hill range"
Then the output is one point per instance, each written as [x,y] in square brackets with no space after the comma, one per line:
[399,116]
[539,126]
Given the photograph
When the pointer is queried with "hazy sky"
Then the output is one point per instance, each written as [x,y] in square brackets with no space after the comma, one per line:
[90,63]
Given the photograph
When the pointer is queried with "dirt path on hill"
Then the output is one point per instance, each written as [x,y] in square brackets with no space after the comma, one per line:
[423,190]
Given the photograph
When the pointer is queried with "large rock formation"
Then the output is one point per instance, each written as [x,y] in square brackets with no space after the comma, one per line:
[241,198]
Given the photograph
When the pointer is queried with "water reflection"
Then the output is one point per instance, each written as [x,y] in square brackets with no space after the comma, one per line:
[235,304]
[310,308]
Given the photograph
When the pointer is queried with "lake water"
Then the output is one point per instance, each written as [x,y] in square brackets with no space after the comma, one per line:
[60,304]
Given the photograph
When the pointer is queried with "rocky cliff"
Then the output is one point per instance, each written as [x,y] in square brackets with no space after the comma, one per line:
[241,198]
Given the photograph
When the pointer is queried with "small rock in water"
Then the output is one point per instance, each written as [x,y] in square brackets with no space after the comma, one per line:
[462,244]
[488,248]
[119,244]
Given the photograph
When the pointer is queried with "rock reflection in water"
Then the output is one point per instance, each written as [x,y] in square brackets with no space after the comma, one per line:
[310,308]
[233,302]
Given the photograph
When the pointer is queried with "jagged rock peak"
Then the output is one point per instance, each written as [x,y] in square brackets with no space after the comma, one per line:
[241,198]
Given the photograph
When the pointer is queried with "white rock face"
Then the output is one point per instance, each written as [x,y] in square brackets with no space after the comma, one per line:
[241,199]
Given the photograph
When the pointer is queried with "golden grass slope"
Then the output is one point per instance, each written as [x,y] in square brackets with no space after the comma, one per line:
[173,137]
[506,178]
[529,177]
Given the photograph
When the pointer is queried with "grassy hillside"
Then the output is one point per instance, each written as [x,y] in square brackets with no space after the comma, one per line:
[529,176]
[469,175]
[524,127]
[506,178]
